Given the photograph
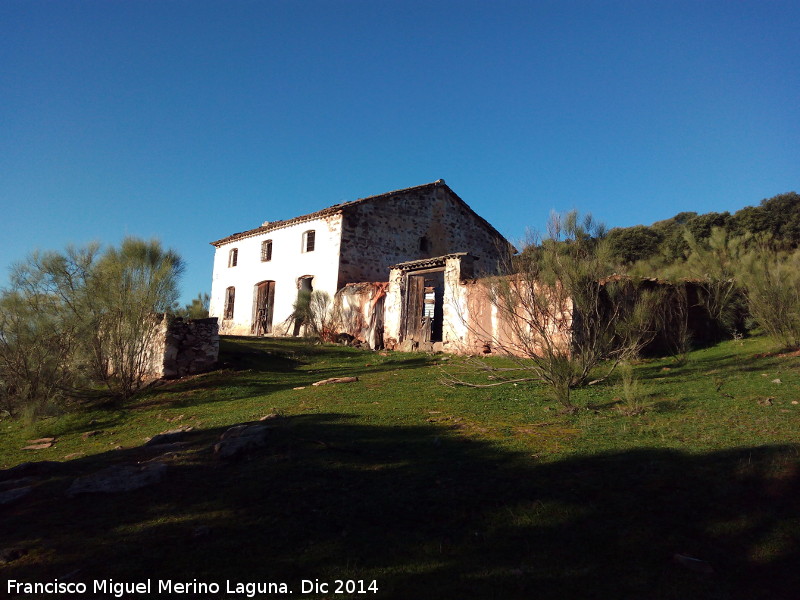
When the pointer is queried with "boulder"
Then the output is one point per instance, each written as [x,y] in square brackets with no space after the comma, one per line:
[119,478]
[14,494]
[240,440]
[168,437]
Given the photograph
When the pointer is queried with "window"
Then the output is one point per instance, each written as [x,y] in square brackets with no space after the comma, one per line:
[266,250]
[233,257]
[309,237]
[230,296]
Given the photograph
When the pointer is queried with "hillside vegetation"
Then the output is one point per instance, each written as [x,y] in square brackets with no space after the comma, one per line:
[680,481]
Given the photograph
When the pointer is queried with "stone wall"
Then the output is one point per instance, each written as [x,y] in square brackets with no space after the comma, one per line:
[183,347]
[413,224]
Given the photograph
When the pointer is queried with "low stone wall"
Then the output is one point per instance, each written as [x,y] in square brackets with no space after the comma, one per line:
[183,347]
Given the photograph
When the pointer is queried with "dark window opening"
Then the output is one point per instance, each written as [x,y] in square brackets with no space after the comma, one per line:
[266,251]
[309,239]
[424,244]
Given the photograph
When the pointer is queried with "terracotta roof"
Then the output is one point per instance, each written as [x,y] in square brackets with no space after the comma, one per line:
[338,207]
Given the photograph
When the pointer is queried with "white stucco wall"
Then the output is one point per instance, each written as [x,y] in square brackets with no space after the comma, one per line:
[288,264]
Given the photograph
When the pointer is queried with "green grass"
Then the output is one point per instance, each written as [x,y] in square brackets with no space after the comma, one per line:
[435,492]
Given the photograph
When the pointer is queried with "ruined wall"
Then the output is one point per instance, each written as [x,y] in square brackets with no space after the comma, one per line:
[183,347]
[360,312]
[409,225]
[473,324]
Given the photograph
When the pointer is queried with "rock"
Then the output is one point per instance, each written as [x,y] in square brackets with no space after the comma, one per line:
[270,417]
[407,346]
[336,380]
[766,401]
[693,564]
[169,447]
[795,402]
[89,434]
[776,381]
[74,455]
[240,440]
[302,387]
[43,440]
[15,494]
[122,478]
[15,483]
[8,555]
[201,531]
[41,446]
[167,437]
[42,467]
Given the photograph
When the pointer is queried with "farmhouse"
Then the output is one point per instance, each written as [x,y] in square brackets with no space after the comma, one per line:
[346,248]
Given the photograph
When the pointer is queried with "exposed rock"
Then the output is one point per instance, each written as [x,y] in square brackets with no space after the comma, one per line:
[336,380]
[8,555]
[15,494]
[169,447]
[89,434]
[40,446]
[776,381]
[240,440]
[167,437]
[407,346]
[122,478]
[302,387]
[766,401]
[15,483]
[74,455]
[201,531]
[693,564]
[42,467]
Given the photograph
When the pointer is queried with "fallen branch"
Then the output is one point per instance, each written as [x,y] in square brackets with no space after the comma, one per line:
[336,380]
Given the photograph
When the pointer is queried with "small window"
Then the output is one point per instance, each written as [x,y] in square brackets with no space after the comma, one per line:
[424,244]
[233,257]
[309,238]
[266,250]
[230,297]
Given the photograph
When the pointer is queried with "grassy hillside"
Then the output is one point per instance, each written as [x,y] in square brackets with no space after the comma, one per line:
[433,492]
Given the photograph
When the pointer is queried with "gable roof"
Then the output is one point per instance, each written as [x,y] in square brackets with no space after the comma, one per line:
[343,205]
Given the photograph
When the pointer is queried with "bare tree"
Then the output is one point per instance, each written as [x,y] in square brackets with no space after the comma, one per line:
[563,310]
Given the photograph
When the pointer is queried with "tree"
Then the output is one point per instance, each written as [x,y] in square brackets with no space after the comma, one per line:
[771,279]
[79,318]
[198,309]
[127,287]
[631,244]
[565,310]
[713,264]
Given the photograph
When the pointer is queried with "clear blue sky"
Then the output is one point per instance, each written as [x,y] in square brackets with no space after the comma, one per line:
[189,121]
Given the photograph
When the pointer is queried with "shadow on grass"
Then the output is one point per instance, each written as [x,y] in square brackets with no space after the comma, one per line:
[429,514]
[260,366]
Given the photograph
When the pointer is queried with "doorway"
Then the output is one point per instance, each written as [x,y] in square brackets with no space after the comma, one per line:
[263,308]
[424,306]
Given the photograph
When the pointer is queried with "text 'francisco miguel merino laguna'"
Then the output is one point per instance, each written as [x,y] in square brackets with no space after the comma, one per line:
[119,589]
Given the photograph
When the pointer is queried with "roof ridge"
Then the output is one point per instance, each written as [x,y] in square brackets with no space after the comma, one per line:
[322,212]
